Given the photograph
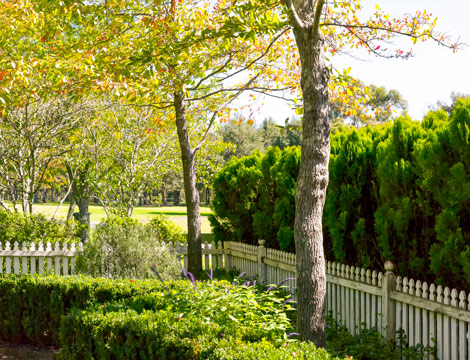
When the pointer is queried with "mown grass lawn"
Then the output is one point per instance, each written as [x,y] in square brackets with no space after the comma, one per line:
[177,214]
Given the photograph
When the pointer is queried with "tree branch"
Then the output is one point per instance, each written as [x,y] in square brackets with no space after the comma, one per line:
[294,17]
[318,11]
[212,73]
[214,115]
[259,57]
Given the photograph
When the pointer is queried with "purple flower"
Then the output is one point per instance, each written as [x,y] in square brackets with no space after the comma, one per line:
[210,275]
[271,287]
[288,301]
[284,281]
[293,334]
[247,283]
[254,282]
[241,274]
[193,279]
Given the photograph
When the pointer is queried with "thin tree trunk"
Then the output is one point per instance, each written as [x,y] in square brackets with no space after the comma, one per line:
[71,208]
[84,218]
[164,196]
[62,201]
[310,194]
[191,192]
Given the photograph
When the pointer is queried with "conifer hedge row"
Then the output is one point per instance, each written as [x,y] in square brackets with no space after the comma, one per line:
[398,191]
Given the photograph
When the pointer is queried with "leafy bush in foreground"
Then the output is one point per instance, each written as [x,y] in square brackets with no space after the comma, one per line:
[127,334]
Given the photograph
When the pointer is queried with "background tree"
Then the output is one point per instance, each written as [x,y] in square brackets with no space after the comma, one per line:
[135,158]
[40,133]
[377,106]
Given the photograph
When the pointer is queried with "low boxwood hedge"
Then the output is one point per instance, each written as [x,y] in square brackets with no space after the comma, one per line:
[31,306]
[126,334]
[95,318]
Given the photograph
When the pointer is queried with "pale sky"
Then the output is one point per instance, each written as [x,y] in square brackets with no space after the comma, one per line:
[431,75]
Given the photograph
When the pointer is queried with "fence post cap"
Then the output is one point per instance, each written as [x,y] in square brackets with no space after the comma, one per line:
[389,266]
[261,242]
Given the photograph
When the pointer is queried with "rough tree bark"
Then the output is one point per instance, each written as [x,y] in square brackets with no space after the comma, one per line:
[313,173]
[191,192]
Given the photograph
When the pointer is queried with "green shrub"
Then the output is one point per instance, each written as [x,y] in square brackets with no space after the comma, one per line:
[34,228]
[165,230]
[31,306]
[235,197]
[125,334]
[119,333]
[241,310]
[397,192]
[238,350]
[254,199]
[123,248]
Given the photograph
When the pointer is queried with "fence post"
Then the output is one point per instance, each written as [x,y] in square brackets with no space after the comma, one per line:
[227,256]
[261,265]
[388,305]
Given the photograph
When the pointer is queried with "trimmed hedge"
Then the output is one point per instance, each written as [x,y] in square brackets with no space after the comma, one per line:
[31,306]
[126,334]
[90,318]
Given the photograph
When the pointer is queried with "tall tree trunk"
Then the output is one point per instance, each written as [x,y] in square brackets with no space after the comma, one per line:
[312,182]
[192,194]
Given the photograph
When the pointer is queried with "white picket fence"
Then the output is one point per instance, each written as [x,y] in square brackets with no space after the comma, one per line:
[428,314]
[31,259]
[212,256]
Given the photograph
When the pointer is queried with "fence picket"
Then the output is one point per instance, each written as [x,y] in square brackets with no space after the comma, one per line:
[24,268]
[425,315]
[439,324]
[16,259]
[41,258]
[446,325]
[32,262]
[462,332]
